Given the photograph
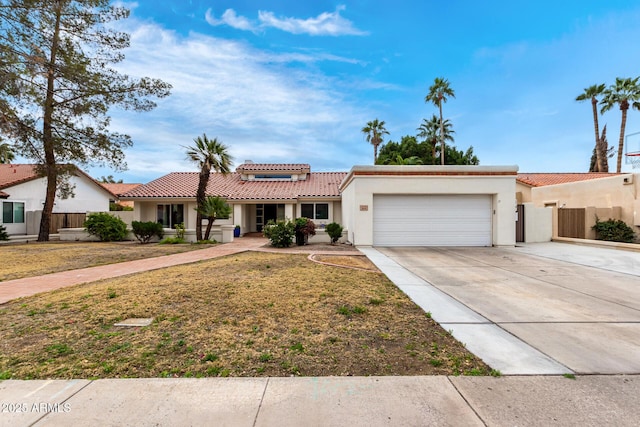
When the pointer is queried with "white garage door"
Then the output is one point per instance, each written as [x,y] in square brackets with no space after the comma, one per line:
[432,220]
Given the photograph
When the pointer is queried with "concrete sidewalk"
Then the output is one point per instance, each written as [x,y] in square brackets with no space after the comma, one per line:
[326,401]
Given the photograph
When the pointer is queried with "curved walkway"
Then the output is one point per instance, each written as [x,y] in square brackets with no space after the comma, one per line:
[12,289]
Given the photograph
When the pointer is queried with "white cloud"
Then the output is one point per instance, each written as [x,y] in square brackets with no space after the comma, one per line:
[325,24]
[230,18]
[250,99]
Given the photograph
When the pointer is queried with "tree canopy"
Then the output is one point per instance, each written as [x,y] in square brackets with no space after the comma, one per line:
[57,86]
[410,151]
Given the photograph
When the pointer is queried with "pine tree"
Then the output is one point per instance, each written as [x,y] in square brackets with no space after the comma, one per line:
[57,85]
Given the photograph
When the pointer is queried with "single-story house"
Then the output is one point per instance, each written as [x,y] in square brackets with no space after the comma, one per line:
[430,205]
[577,198]
[257,193]
[377,205]
[22,194]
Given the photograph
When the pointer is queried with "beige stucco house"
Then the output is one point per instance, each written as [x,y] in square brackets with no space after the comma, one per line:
[257,193]
[377,205]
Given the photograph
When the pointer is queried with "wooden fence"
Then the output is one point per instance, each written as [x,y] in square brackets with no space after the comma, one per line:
[66,220]
[571,222]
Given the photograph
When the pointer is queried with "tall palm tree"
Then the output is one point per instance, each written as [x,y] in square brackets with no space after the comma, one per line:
[6,154]
[430,131]
[625,93]
[208,154]
[438,93]
[592,93]
[374,131]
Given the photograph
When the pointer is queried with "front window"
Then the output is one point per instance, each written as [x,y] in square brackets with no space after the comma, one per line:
[314,210]
[170,215]
[13,212]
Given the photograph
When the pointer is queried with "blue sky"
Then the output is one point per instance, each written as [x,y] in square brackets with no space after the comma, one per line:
[295,81]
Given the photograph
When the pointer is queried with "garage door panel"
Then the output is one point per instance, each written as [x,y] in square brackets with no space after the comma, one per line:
[432,220]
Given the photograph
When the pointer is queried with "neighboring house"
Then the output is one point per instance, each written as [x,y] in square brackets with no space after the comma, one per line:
[576,199]
[257,193]
[22,194]
[119,189]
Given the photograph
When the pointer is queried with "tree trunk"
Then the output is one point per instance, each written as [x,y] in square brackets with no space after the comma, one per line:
[441,134]
[623,124]
[201,197]
[209,225]
[47,135]
[599,152]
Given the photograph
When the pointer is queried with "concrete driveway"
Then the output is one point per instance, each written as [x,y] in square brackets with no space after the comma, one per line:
[577,305]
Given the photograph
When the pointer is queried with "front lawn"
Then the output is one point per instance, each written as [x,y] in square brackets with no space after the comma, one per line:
[34,259]
[252,314]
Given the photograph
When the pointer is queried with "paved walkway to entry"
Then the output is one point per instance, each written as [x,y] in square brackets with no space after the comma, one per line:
[17,288]
[544,309]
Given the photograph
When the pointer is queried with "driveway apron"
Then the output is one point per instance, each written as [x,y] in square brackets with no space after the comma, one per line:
[538,309]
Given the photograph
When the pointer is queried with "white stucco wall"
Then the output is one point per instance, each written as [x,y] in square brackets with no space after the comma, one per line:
[88,196]
[538,223]
[363,182]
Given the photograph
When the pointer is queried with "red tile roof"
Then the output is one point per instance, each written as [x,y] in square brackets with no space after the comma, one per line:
[11,175]
[542,179]
[119,188]
[274,167]
[232,187]
[14,174]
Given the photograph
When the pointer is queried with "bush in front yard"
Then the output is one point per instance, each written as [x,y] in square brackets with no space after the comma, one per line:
[334,230]
[280,233]
[144,231]
[107,228]
[613,230]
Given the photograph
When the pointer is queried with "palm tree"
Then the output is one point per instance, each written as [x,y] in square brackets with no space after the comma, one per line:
[6,154]
[438,93]
[374,130]
[208,154]
[413,160]
[625,93]
[213,208]
[430,131]
[591,93]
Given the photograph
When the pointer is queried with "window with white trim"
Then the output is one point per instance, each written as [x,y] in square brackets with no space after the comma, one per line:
[13,212]
[314,210]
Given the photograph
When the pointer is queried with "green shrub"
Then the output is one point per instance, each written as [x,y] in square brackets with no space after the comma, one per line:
[334,230]
[144,231]
[118,207]
[180,230]
[172,241]
[3,233]
[106,227]
[280,233]
[613,230]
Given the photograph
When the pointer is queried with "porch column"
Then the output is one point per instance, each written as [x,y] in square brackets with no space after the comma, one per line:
[288,211]
[237,215]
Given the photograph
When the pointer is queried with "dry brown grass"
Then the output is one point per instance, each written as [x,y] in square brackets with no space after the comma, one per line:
[35,259]
[252,314]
